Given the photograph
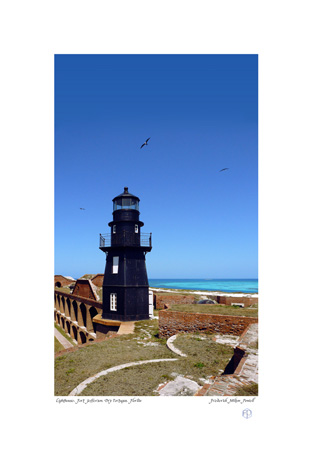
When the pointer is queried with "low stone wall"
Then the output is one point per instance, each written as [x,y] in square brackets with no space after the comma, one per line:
[173,322]
[228,300]
[163,300]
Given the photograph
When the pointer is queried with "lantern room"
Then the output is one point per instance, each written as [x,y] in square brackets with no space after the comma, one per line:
[126,201]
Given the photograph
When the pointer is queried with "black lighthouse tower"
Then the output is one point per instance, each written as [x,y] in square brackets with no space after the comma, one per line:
[125,285]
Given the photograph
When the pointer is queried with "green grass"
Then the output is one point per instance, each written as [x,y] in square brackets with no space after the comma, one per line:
[57,345]
[133,381]
[217,309]
[250,390]
[60,330]
[63,289]
[204,358]
[92,359]
[188,292]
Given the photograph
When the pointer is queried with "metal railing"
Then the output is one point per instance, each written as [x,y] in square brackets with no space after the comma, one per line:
[125,238]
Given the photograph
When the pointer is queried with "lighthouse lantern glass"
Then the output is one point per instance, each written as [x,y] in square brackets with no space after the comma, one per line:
[126,203]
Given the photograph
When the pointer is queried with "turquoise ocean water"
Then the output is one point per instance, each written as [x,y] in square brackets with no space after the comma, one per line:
[225,285]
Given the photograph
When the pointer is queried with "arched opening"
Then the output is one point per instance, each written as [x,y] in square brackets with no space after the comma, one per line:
[62,323]
[93,313]
[83,338]
[58,302]
[68,306]
[58,318]
[58,284]
[75,333]
[68,327]
[84,314]
[63,304]
[75,309]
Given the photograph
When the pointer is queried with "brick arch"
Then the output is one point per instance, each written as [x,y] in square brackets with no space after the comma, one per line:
[58,284]
[74,333]
[67,325]
[68,307]
[62,304]
[83,310]
[82,337]
[93,312]
[57,302]
[75,310]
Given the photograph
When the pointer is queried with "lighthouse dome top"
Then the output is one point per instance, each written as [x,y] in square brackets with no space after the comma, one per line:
[126,201]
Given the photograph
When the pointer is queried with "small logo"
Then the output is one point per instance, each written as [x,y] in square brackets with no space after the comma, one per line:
[247,413]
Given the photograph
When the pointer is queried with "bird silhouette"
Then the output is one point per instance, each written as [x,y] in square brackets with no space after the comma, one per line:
[145,144]
[82,208]
[223,169]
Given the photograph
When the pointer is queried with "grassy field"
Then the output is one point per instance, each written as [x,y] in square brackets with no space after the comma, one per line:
[217,309]
[204,358]
[63,289]
[57,345]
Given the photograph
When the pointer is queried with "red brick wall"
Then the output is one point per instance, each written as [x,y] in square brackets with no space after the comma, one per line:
[163,300]
[98,280]
[228,300]
[172,322]
[63,281]
[83,289]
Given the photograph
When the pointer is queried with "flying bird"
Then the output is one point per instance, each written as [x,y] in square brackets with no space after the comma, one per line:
[223,169]
[145,144]
[82,208]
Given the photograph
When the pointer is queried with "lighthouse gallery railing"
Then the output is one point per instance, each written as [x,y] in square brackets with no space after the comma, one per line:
[125,238]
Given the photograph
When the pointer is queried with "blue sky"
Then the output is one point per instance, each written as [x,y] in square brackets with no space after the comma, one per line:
[201,112]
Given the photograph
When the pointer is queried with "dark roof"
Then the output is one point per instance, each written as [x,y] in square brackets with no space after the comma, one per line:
[126,194]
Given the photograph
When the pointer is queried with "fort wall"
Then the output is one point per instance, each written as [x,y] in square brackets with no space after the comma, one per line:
[75,315]
[61,281]
[173,322]
[163,300]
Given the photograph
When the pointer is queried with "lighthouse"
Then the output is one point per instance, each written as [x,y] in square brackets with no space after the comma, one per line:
[125,284]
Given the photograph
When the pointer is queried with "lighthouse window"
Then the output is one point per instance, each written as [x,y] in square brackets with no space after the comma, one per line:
[114,229]
[126,203]
[115,264]
[113,301]
[136,228]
